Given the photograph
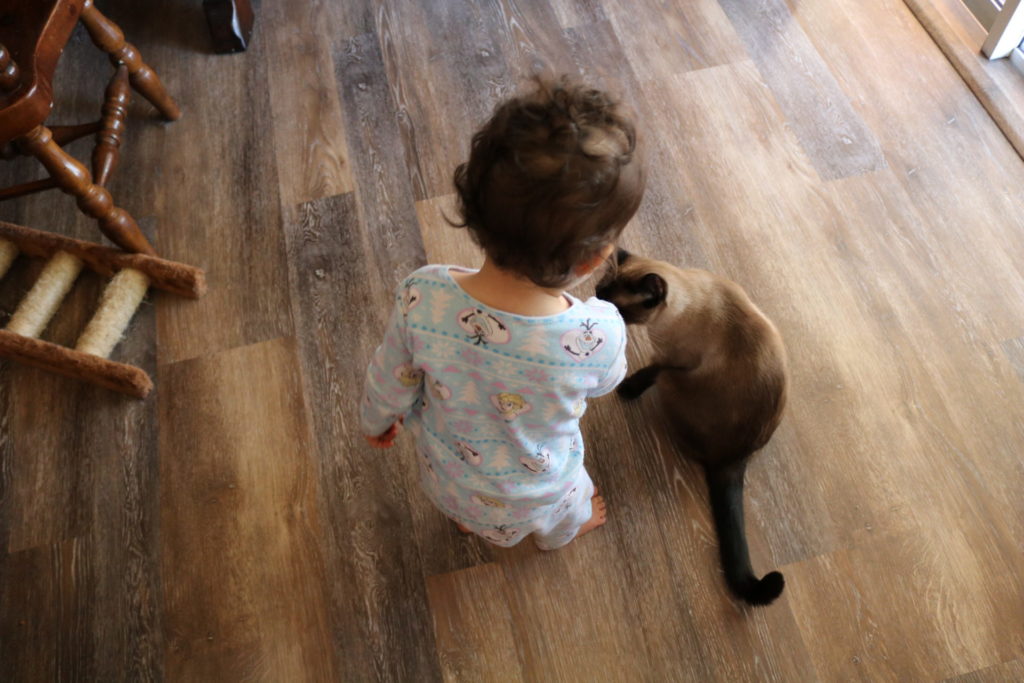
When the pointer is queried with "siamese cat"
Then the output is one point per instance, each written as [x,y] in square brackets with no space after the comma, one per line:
[720,368]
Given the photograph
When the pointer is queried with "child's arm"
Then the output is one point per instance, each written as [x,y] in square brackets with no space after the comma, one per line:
[616,373]
[392,385]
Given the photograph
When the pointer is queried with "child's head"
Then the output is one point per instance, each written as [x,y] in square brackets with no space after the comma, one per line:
[552,178]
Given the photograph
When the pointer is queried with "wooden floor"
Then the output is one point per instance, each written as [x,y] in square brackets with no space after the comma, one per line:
[235,527]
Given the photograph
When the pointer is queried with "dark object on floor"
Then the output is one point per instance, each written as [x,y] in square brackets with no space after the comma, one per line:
[230,24]
[32,37]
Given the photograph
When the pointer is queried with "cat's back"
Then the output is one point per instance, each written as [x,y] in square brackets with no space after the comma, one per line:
[737,390]
[732,328]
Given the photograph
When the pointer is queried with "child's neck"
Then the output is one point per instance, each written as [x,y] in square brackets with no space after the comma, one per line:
[510,292]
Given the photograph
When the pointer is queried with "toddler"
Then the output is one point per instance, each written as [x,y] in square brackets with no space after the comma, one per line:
[491,369]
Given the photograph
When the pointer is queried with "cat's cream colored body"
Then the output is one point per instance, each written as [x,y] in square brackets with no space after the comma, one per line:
[723,363]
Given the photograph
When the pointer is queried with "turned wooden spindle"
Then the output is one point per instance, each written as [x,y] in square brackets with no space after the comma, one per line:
[27,188]
[74,179]
[42,301]
[108,37]
[10,78]
[108,139]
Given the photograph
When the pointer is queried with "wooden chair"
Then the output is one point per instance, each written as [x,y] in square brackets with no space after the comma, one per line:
[33,34]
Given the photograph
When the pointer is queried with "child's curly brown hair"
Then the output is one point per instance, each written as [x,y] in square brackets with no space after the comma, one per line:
[552,178]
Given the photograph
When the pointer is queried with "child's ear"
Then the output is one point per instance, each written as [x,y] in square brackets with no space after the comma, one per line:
[655,289]
[592,263]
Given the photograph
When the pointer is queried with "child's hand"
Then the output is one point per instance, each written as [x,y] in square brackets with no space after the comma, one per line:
[385,440]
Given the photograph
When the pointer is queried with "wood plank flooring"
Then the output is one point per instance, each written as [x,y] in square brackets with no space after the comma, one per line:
[236,527]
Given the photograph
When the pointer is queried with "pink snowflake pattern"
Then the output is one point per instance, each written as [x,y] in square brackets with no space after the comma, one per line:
[536,375]
[462,426]
[472,357]
[521,513]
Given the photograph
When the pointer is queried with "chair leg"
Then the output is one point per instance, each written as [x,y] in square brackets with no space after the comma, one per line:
[10,77]
[108,37]
[108,139]
[95,201]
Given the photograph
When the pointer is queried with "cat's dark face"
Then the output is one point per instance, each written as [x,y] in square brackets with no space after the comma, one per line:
[637,292]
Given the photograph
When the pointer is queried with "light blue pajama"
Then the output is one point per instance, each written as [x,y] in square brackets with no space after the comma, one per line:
[493,400]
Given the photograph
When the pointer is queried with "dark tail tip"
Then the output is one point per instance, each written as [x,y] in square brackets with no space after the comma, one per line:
[764,591]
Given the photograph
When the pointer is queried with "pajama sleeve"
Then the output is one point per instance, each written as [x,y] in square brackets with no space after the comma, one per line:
[393,383]
[616,373]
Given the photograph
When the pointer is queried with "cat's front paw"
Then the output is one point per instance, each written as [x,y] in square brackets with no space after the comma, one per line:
[632,387]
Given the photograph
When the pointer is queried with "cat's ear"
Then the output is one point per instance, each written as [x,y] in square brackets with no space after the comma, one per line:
[654,289]
[621,255]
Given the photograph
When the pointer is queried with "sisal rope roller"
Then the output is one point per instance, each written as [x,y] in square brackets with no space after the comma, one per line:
[120,299]
[131,277]
[46,295]
[8,252]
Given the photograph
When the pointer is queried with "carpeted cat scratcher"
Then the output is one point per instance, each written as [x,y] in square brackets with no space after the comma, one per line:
[131,276]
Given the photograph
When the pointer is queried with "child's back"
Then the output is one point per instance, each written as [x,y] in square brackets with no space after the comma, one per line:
[491,369]
[497,426]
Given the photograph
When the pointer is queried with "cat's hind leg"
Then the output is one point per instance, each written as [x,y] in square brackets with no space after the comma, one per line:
[639,382]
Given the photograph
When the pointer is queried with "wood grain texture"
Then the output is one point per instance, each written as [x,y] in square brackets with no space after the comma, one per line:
[474,625]
[376,566]
[663,38]
[969,33]
[442,242]
[834,594]
[80,511]
[572,13]
[236,527]
[230,176]
[1014,349]
[309,134]
[829,129]
[1008,672]
[974,281]
[237,475]
[383,192]
[476,55]
[973,67]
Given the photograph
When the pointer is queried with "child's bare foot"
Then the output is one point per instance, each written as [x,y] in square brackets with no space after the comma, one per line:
[598,515]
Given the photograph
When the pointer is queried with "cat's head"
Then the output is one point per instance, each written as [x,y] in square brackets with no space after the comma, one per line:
[634,285]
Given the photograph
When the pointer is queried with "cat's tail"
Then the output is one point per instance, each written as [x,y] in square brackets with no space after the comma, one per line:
[725,485]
